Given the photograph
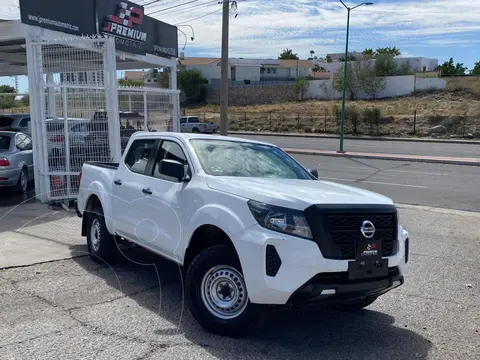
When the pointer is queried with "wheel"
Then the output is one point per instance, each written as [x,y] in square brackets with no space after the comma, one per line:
[354,305]
[22,183]
[195,130]
[216,293]
[101,244]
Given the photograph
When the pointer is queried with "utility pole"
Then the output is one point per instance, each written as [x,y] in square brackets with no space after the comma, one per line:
[224,70]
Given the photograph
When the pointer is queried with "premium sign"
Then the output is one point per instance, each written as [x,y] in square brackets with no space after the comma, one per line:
[133,31]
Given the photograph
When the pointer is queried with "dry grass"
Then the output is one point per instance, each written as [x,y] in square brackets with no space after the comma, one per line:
[470,83]
[442,103]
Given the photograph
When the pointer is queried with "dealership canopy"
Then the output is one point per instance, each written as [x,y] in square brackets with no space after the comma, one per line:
[140,41]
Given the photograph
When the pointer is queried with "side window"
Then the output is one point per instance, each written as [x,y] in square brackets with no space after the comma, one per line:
[23,142]
[168,151]
[193,120]
[24,122]
[183,120]
[138,155]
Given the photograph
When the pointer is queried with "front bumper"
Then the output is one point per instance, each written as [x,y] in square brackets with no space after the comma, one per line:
[300,272]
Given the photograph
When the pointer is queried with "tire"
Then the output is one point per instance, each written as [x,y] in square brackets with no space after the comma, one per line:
[22,183]
[211,267]
[101,244]
[195,130]
[354,305]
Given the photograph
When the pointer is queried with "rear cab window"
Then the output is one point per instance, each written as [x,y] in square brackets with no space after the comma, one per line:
[139,154]
[193,120]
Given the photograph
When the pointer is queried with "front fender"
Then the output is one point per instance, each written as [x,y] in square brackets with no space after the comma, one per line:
[217,215]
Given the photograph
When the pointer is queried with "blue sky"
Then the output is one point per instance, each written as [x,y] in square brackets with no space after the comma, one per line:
[431,28]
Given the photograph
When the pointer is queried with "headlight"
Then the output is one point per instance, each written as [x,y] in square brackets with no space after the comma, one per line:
[287,221]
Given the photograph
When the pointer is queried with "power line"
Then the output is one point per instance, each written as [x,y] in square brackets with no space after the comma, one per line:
[172,7]
[193,7]
[200,17]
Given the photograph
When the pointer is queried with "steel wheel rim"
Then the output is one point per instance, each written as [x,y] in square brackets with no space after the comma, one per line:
[95,235]
[224,292]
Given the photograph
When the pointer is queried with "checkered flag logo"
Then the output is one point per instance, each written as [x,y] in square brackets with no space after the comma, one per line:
[126,16]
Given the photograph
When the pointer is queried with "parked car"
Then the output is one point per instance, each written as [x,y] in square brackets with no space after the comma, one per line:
[192,124]
[248,224]
[16,160]
[15,122]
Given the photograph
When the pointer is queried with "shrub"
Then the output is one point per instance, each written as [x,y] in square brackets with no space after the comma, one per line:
[371,115]
[353,116]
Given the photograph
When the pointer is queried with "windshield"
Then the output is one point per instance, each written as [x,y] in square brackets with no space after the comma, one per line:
[244,159]
[4,142]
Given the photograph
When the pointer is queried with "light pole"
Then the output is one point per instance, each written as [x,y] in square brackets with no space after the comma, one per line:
[342,123]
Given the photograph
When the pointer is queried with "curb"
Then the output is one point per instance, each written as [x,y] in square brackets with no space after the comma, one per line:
[370,138]
[411,158]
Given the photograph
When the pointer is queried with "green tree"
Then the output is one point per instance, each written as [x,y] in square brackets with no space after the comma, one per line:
[328,58]
[385,65]
[404,68]
[301,86]
[370,83]
[450,68]
[192,83]
[130,82]
[353,85]
[476,69]
[24,101]
[7,101]
[317,68]
[368,53]
[288,54]
[390,51]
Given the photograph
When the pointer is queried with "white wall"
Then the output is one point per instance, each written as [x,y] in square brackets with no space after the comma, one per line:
[394,86]
[247,73]
[430,83]
[210,71]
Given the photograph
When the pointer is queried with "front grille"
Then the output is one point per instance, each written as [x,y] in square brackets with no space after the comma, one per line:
[336,229]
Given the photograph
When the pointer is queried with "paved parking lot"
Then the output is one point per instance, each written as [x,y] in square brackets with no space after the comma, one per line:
[133,308]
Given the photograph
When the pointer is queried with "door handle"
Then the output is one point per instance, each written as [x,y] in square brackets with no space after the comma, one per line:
[117,182]
[147,191]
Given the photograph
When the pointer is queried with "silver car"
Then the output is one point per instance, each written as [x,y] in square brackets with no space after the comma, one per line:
[16,160]
[15,122]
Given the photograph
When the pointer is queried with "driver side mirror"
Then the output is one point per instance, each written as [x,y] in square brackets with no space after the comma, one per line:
[173,168]
[314,172]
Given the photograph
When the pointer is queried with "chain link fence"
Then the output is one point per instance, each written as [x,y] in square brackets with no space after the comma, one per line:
[364,122]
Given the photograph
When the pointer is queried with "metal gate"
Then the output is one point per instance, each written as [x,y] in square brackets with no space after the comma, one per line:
[146,109]
[74,110]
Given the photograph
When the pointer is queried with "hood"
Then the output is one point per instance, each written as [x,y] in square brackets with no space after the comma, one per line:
[295,194]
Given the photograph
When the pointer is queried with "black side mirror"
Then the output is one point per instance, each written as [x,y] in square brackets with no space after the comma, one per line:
[314,172]
[172,168]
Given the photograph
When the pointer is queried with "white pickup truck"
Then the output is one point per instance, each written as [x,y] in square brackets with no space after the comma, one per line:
[249,225]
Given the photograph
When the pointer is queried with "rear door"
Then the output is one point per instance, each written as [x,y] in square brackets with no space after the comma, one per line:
[128,200]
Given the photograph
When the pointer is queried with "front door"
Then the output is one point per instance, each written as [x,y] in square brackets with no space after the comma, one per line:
[168,204]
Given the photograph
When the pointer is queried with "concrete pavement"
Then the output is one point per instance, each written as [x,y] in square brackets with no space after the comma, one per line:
[421,151]
[394,157]
[133,308]
[359,137]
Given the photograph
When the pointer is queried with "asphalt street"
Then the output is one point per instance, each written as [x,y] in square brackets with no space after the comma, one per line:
[133,308]
[437,185]
[373,146]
